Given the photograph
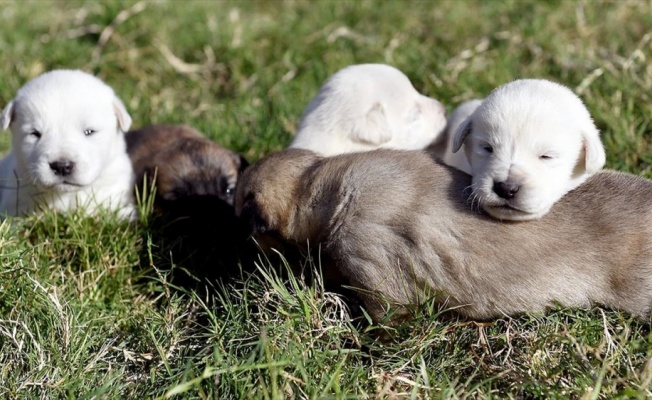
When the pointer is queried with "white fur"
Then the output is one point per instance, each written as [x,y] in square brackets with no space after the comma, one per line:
[455,119]
[368,106]
[80,120]
[534,135]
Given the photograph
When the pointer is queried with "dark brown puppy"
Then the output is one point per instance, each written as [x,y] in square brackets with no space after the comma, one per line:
[400,225]
[195,180]
[185,163]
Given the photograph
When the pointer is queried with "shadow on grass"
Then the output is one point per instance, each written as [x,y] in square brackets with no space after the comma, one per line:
[198,240]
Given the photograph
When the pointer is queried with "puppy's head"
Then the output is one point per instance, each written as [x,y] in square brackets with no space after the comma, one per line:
[421,124]
[198,167]
[184,163]
[267,191]
[370,106]
[528,144]
[66,127]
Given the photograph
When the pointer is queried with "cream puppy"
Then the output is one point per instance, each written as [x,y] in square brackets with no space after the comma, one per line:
[68,147]
[367,106]
[528,143]
[398,226]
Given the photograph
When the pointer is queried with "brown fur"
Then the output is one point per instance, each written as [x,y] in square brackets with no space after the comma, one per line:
[184,162]
[195,182]
[399,224]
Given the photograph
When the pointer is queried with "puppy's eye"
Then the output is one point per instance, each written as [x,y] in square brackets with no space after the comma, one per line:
[89,132]
[36,133]
[546,157]
[229,191]
[488,149]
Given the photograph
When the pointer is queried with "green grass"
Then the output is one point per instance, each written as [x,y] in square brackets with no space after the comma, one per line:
[87,309]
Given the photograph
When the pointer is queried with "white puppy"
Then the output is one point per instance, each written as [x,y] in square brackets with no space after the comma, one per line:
[528,143]
[367,106]
[68,147]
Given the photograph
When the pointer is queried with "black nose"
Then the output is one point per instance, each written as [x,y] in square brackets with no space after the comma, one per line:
[505,190]
[62,167]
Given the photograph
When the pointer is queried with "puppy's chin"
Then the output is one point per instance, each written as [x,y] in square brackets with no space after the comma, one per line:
[505,212]
[66,187]
[60,185]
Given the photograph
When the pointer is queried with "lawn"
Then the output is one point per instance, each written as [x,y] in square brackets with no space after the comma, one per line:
[87,305]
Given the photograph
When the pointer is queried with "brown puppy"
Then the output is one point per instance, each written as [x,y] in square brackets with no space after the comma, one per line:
[399,224]
[195,180]
[185,163]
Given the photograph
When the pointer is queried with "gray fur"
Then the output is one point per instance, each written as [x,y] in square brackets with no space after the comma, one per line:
[399,224]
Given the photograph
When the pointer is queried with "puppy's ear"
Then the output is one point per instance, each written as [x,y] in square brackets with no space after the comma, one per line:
[124,119]
[594,154]
[461,134]
[374,129]
[413,113]
[243,163]
[7,115]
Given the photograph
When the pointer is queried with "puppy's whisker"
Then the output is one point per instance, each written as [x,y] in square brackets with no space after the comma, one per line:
[466,189]
[475,205]
[474,198]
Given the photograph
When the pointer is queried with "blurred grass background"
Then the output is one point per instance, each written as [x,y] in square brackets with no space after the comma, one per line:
[82,317]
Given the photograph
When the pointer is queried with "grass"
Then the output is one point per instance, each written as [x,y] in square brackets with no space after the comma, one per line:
[87,309]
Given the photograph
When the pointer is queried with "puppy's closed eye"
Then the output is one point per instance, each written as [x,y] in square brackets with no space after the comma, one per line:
[36,134]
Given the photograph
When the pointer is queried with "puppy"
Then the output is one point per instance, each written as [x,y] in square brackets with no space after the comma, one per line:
[367,106]
[528,144]
[195,182]
[398,226]
[68,147]
[183,163]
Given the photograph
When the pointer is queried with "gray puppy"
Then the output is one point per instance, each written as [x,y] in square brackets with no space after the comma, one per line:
[399,226]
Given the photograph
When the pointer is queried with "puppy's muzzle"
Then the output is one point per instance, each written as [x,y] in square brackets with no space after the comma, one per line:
[505,190]
[62,167]
[252,217]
